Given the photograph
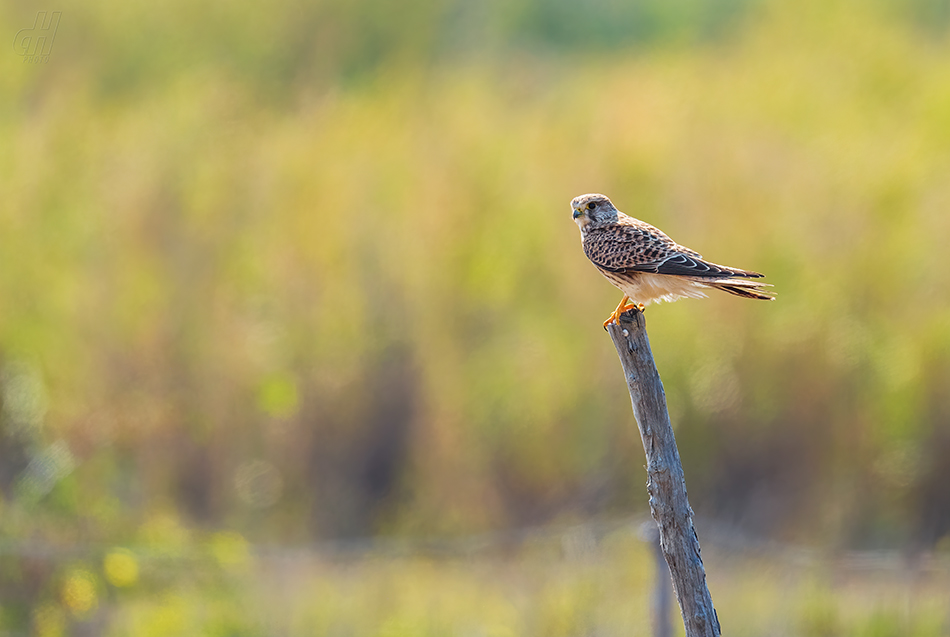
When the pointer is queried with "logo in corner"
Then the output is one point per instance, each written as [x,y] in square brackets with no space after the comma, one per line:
[35,44]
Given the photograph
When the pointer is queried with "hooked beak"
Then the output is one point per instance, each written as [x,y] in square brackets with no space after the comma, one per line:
[577,213]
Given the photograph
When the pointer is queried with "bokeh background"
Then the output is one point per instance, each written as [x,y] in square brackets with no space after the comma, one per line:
[297,337]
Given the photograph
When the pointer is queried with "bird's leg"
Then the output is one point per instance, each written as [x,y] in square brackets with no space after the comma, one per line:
[621,308]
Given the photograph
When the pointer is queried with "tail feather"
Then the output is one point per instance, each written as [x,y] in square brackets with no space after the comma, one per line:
[745,289]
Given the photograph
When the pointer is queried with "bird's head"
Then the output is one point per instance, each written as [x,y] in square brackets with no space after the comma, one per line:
[593,209]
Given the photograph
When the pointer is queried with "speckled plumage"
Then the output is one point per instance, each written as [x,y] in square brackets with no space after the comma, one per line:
[645,264]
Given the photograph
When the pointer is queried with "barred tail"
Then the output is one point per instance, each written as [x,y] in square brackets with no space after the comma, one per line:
[745,289]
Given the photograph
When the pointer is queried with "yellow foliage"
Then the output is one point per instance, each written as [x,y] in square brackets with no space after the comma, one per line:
[121,567]
[79,591]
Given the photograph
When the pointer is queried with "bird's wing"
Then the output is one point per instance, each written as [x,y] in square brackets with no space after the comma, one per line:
[634,246]
[629,244]
[686,265]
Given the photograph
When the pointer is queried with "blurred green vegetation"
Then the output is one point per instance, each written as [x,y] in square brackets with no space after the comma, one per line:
[555,585]
[305,271]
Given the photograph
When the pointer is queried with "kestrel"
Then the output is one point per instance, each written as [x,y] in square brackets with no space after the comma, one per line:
[646,264]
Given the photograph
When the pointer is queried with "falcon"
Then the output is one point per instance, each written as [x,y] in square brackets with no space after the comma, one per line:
[647,265]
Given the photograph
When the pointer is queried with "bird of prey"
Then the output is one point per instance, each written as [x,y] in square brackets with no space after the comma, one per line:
[646,264]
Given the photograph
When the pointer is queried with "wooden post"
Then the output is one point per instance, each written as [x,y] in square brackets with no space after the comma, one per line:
[665,484]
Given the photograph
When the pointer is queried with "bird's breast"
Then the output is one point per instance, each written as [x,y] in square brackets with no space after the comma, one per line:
[648,287]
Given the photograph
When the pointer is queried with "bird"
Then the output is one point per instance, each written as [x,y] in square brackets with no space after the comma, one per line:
[647,265]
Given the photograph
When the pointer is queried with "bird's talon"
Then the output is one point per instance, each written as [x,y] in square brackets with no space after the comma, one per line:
[615,316]
[624,306]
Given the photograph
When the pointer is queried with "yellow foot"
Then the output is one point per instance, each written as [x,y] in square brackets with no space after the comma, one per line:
[624,306]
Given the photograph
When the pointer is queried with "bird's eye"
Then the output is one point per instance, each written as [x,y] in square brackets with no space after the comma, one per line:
[591,206]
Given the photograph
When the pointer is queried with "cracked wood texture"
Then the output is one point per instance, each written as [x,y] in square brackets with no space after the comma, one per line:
[666,484]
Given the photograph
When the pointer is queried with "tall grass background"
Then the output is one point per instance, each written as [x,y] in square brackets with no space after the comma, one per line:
[277,275]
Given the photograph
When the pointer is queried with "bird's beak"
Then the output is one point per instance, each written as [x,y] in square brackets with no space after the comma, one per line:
[577,213]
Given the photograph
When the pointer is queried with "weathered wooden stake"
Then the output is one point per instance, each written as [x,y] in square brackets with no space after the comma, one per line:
[666,485]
